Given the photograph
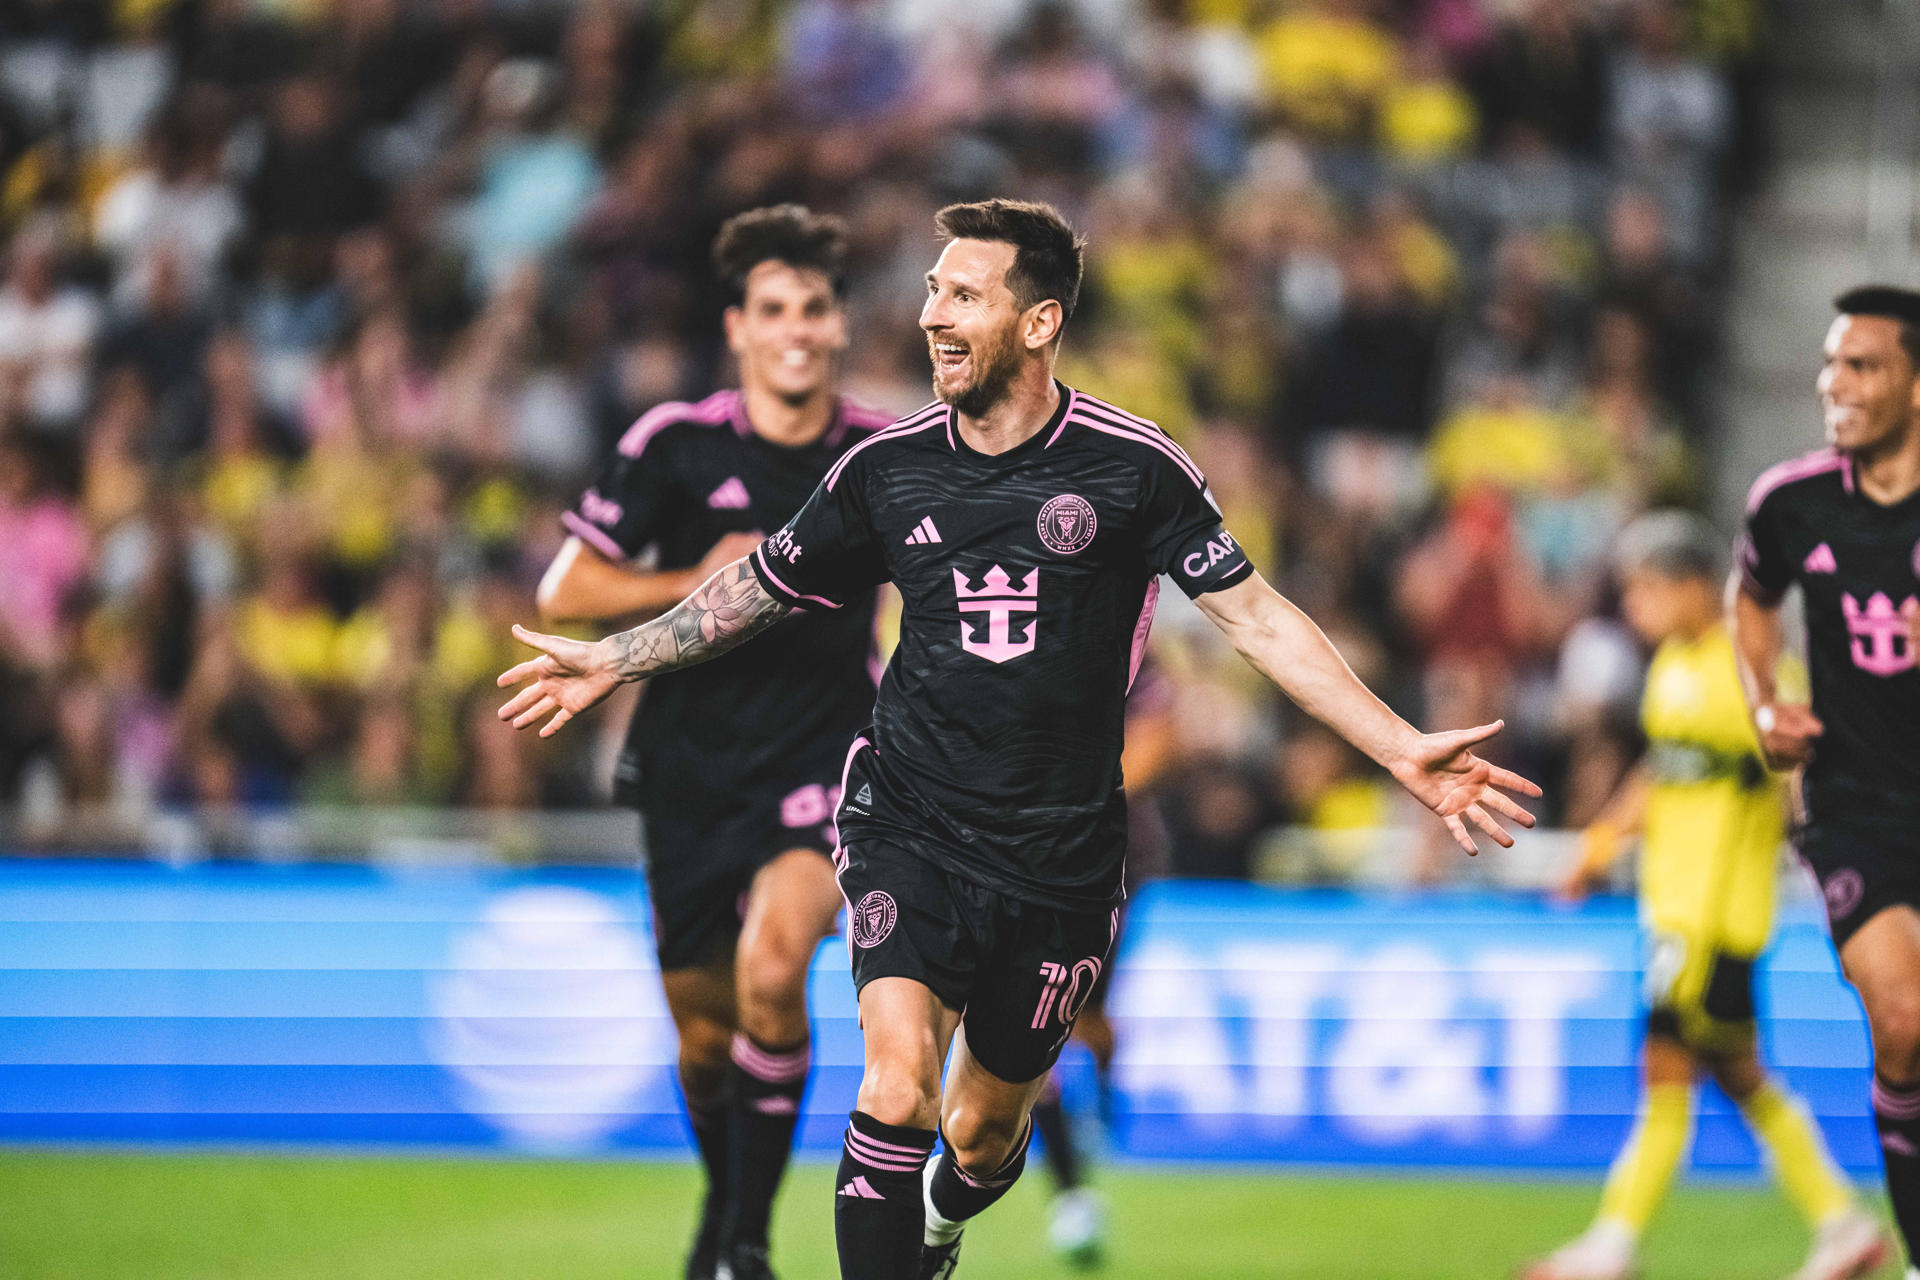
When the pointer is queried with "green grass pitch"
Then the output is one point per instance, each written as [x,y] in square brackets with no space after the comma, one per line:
[81,1215]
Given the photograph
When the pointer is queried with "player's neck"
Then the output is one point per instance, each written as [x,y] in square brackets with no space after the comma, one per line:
[1027,407]
[775,418]
[1889,475]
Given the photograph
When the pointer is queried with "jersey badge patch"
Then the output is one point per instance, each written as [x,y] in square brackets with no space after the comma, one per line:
[1067,524]
[873,919]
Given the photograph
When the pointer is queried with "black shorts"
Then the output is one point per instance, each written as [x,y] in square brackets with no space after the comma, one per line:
[1018,972]
[700,865]
[1865,864]
[1701,996]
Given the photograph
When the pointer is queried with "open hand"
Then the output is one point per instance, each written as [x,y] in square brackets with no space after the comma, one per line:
[1442,772]
[568,677]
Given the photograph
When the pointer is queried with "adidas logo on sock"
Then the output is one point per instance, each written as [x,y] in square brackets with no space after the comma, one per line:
[730,496]
[861,1189]
[923,533]
[865,796]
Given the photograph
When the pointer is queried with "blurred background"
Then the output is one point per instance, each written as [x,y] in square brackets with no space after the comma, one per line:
[315,314]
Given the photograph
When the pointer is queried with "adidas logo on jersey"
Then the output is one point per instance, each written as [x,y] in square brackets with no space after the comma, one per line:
[861,1189]
[1820,560]
[730,496]
[923,533]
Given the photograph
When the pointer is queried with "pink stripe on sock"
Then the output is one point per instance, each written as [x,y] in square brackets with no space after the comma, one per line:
[895,1147]
[1895,1104]
[772,1068]
[894,1164]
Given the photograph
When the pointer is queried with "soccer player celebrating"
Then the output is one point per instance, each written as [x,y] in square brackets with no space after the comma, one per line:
[982,821]
[1844,523]
[1711,821]
[733,767]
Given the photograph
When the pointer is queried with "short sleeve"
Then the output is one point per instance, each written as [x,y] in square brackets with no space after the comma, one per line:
[624,510]
[1182,531]
[827,553]
[1765,571]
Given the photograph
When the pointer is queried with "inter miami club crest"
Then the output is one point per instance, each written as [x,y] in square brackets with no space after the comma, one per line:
[873,919]
[1067,524]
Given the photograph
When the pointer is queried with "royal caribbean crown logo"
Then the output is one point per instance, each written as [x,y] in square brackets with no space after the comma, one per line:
[1882,644]
[1000,600]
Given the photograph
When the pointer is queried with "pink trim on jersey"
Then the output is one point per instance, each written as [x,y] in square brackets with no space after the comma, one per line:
[1159,440]
[1846,473]
[840,859]
[951,442]
[905,427]
[1073,398]
[760,555]
[1140,631]
[1092,407]
[1805,467]
[717,408]
[851,415]
[591,534]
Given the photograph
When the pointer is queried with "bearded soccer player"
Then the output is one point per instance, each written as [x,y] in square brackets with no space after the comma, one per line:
[1711,820]
[734,767]
[982,821]
[1844,523]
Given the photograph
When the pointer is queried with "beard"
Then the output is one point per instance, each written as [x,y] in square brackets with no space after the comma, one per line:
[994,369]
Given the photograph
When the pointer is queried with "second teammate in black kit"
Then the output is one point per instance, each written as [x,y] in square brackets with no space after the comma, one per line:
[734,767]
[983,822]
[1844,525]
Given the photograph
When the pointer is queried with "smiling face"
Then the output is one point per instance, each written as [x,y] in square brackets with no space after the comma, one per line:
[786,331]
[977,332]
[1869,388]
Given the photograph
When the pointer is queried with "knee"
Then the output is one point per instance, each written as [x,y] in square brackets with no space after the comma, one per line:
[1895,1022]
[773,993]
[705,1047]
[901,1094]
[981,1142]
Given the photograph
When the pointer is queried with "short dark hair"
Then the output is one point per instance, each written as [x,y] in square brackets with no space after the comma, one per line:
[1048,257]
[1891,301]
[789,233]
[1680,546]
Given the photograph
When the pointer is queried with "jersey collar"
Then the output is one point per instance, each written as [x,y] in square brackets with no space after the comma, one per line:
[1039,440]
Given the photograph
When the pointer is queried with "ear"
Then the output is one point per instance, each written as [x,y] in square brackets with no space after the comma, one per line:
[1043,323]
[731,319]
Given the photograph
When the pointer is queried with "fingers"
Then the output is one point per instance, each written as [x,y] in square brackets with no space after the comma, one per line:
[1460,836]
[534,712]
[552,726]
[1511,781]
[1461,739]
[1494,800]
[1484,820]
[521,701]
[539,640]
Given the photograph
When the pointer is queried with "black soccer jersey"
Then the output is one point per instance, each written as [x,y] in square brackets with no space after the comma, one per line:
[1028,580]
[1858,566]
[765,716]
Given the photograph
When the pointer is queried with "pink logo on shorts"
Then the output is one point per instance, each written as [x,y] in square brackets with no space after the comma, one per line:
[1067,524]
[873,919]
[1844,889]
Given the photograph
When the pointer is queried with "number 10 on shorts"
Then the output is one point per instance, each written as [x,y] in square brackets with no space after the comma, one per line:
[1064,991]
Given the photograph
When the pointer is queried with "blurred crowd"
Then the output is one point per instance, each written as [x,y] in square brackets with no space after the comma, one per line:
[316,313]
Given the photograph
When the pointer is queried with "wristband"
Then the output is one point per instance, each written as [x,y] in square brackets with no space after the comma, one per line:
[1764,719]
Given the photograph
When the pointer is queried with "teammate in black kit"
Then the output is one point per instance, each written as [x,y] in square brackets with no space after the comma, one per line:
[982,826]
[735,767]
[1844,523]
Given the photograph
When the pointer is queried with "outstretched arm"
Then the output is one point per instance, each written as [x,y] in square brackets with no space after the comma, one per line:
[570,676]
[1440,769]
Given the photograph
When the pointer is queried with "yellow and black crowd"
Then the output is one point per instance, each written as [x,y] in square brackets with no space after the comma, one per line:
[316,313]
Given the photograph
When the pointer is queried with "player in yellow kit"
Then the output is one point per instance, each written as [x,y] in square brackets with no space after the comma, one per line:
[1711,821]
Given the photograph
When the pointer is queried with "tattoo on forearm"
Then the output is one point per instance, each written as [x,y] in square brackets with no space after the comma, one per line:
[727,610]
